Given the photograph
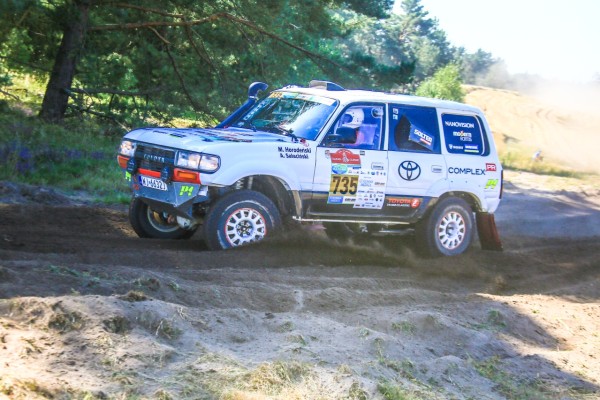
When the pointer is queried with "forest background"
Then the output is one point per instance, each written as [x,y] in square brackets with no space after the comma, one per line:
[155,61]
[75,75]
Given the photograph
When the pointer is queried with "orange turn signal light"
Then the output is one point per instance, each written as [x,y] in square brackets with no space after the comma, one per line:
[182,175]
[123,161]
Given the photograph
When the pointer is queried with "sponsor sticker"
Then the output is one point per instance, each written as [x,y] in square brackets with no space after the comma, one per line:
[490,167]
[352,184]
[339,169]
[186,190]
[345,156]
[491,184]
[466,171]
[406,202]
[335,199]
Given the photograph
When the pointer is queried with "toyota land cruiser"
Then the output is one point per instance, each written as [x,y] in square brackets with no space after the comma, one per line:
[355,161]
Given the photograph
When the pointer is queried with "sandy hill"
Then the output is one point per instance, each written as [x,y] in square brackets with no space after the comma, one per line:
[563,123]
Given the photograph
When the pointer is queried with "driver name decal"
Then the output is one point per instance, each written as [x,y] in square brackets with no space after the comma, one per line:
[294,152]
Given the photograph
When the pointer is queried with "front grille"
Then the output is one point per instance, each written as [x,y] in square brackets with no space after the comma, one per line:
[154,158]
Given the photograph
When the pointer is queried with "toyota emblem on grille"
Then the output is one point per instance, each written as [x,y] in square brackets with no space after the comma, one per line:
[152,157]
[409,170]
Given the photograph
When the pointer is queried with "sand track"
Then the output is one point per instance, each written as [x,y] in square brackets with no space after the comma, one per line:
[90,308]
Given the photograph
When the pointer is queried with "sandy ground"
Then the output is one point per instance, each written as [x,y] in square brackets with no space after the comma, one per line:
[562,123]
[89,311]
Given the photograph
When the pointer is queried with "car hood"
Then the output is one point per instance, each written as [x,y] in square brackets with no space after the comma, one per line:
[198,139]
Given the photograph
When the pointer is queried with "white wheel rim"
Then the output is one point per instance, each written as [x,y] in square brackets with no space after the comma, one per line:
[245,225]
[451,230]
[160,221]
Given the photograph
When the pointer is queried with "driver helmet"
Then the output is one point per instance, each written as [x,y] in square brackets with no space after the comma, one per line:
[353,117]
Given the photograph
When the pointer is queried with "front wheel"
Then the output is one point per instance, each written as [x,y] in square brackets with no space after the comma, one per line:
[447,231]
[149,223]
[239,218]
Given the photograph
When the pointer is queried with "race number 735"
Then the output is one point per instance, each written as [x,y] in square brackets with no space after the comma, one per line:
[343,184]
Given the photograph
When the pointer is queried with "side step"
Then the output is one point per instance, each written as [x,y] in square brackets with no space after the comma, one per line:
[488,234]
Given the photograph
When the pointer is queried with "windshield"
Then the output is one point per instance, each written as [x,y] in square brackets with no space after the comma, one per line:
[295,114]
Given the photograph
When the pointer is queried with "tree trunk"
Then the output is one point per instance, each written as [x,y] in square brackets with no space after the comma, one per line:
[56,97]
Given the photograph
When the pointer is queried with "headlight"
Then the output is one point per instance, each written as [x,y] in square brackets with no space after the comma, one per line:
[188,160]
[209,163]
[202,162]
[127,148]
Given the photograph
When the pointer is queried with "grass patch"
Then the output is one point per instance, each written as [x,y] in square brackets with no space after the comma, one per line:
[215,376]
[507,384]
[404,327]
[66,321]
[76,156]
[495,321]
[133,296]
[159,327]
[393,391]
[521,162]
[117,324]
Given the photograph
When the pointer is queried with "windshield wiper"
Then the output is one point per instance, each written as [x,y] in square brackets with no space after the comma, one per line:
[287,132]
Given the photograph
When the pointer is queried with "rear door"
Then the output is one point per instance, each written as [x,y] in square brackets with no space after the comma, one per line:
[417,169]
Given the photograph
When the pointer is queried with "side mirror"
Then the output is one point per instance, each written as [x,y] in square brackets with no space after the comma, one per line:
[343,135]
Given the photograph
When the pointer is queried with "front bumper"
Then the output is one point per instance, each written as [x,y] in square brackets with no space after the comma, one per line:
[178,199]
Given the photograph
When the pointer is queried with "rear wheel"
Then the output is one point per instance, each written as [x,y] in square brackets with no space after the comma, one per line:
[239,218]
[448,230]
[149,223]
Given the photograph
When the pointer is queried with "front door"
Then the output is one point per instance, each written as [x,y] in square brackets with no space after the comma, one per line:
[351,172]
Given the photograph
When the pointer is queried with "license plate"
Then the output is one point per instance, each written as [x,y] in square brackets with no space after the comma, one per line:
[153,183]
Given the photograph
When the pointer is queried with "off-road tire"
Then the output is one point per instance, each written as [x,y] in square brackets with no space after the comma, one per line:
[447,230]
[239,218]
[148,223]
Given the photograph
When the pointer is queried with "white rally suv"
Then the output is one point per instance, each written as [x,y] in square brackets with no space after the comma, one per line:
[357,162]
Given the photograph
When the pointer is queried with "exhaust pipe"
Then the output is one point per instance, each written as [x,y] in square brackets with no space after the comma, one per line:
[253,90]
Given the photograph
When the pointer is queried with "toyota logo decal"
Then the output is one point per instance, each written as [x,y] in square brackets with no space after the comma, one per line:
[409,170]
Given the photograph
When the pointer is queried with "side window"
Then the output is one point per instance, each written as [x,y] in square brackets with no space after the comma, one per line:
[361,127]
[414,128]
[464,134]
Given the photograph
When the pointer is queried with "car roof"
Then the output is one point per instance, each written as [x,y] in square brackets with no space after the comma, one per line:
[351,96]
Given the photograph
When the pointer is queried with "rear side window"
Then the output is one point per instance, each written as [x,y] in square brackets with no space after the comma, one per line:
[464,134]
[414,129]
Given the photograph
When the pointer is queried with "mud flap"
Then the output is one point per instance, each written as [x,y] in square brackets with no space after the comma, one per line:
[488,234]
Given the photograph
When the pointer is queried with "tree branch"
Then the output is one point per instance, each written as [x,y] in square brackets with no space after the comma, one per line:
[215,17]
[9,95]
[151,10]
[165,41]
[182,82]
[117,92]
[136,25]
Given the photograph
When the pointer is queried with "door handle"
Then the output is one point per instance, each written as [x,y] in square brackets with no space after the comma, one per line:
[377,166]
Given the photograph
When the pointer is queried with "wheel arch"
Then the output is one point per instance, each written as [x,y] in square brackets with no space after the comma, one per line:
[284,198]
[471,199]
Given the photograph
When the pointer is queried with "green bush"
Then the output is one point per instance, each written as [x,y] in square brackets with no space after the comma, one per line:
[445,84]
